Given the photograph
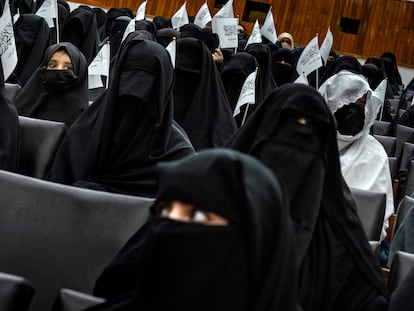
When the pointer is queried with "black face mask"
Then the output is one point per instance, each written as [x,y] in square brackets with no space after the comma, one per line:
[350,119]
[282,73]
[58,80]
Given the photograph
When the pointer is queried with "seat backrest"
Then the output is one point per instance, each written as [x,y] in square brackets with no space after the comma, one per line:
[371,210]
[403,134]
[406,153]
[405,205]
[16,293]
[11,90]
[59,236]
[393,163]
[70,300]
[382,128]
[388,142]
[39,142]
[409,181]
[401,265]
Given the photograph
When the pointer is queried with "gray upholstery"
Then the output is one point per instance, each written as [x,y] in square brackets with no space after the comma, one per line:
[409,181]
[371,210]
[59,236]
[406,152]
[403,134]
[405,205]
[11,90]
[382,128]
[393,163]
[70,300]
[15,293]
[388,142]
[401,265]
[39,141]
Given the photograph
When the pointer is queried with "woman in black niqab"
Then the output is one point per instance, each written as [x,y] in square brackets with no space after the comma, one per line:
[9,131]
[175,265]
[32,39]
[117,141]
[293,133]
[57,95]
[349,63]
[201,106]
[80,28]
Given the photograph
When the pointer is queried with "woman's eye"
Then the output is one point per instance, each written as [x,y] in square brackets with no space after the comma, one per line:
[199,216]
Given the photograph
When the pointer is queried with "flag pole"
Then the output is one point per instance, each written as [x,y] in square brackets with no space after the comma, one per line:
[57,23]
[245,114]
[109,61]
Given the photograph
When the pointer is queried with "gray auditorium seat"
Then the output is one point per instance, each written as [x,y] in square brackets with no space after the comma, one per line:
[405,205]
[382,128]
[388,142]
[403,134]
[70,300]
[39,141]
[401,265]
[371,210]
[15,293]
[59,236]
[11,90]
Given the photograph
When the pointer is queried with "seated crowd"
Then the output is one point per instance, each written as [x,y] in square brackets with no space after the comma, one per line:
[252,211]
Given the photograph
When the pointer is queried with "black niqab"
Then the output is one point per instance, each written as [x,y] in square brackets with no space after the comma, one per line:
[349,63]
[246,265]
[38,100]
[81,30]
[117,141]
[263,55]
[201,106]
[336,265]
[9,131]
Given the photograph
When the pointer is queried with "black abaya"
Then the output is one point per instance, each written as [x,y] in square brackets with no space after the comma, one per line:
[117,141]
[337,269]
[245,265]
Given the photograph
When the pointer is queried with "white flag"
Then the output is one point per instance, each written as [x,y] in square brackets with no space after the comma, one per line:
[381,90]
[302,80]
[141,11]
[255,36]
[129,28]
[8,51]
[226,10]
[310,59]
[226,29]
[247,93]
[180,18]
[99,67]
[203,16]
[172,50]
[326,45]
[268,29]
[48,10]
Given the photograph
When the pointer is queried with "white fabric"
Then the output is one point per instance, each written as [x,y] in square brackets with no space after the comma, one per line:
[364,162]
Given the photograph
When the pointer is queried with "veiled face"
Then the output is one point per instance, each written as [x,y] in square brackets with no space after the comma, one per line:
[60,60]
[184,212]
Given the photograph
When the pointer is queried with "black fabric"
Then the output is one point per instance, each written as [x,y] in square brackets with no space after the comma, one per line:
[117,141]
[64,97]
[162,22]
[391,68]
[246,265]
[81,30]
[113,13]
[116,33]
[32,39]
[205,34]
[165,36]
[233,74]
[350,119]
[146,25]
[349,63]
[201,106]
[263,55]
[337,269]
[101,19]
[9,131]
[283,73]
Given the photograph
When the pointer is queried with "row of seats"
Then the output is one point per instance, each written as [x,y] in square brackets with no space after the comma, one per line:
[59,236]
